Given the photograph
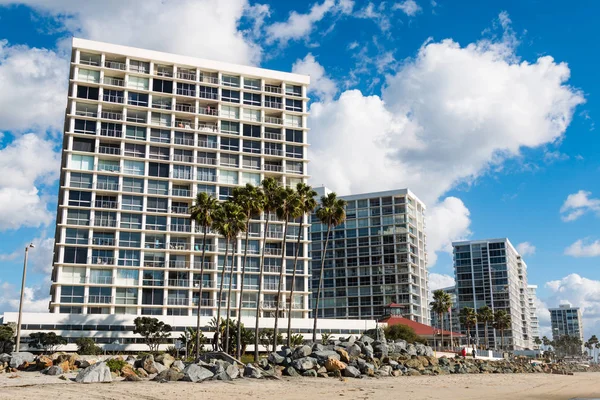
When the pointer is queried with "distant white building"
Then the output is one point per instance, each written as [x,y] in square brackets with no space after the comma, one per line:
[566,320]
[534,323]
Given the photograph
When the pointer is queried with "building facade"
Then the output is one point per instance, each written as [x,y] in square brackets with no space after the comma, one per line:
[377,257]
[566,320]
[450,319]
[491,272]
[145,132]
[534,322]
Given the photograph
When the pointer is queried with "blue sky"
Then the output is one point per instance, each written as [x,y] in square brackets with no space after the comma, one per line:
[485,109]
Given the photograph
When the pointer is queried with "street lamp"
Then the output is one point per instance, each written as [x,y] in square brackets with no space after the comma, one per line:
[22,294]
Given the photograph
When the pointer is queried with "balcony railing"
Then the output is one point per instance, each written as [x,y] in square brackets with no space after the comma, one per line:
[178,302]
[107,186]
[183,158]
[273,136]
[207,161]
[273,269]
[180,210]
[113,98]
[178,246]
[183,141]
[100,280]
[111,223]
[103,241]
[115,151]
[154,263]
[107,204]
[185,108]
[272,89]
[109,80]
[205,302]
[153,282]
[273,152]
[186,92]
[273,168]
[179,282]
[273,120]
[273,304]
[209,79]
[181,192]
[90,61]
[111,132]
[100,299]
[112,115]
[207,144]
[208,265]
[208,95]
[208,111]
[179,264]
[275,235]
[180,228]
[101,260]
[273,104]
[115,65]
[86,113]
[272,252]
[190,76]
[207,127]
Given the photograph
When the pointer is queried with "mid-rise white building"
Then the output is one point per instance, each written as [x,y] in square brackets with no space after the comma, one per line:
[534,323]
[566,320]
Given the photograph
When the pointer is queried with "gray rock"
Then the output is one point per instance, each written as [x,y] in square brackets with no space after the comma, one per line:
[291,371]
[250,371]
[351,372]
[275,358]
[311,373]
[196,373]
[131,360]
[428,351]
[411,350]
[301,351]
[217,369]
[285,351]
[165,359]
[169,375]
[233,371]
[317,347]
[366,339]
[54,370]
[179,365]
[354,350]
[304,364]
[263,363]
[385,370]
[96,373]
[380,349]
[20,358]
[324,355]
[420,348]
[4,358]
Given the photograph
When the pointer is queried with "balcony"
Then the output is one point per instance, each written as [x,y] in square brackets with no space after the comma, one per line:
[207,127]
[207,144]
[180,210]
[273,136]
[86,113]
[100,280]
[109,223]
[273,269]
[185,108]
[102,260]
[249,304]
[207,161]
[272,252]
[114,151]
[183,141]
[181,192]
[272,168]
[273,152]
[186,92]
[205,302]
[184,158]
[109,80]
[272,89]
[273,120]
[115,65]
[107,204]
[208,265]
[180,228]
[272,304]
[209,284]
[208,95]
[208,111]
[107,186]
[139,118]
[111,133]
[184,123]
[273,104]
[179,264]
[179,282]
[209,79]
[153,282]
[178,246]
[103,241]
[187,75]
[100,299]
[154,263]
[178,302]
[111,98]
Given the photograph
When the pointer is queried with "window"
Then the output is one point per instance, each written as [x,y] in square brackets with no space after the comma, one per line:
[158,169]
[156,204]
[142,67]
[293,120]
[159,153]
[156,223]
[251,162]
[186,89]
[131,221]
[208,189]
[133,185]
[182,172]
[293,90]
[230,177]
[80,199]
[78,217]
[252,146]
[252,130]
[293,105]
[230,160]
[127,277]
[137,99]
[130,239]
[113,96]
[230,80]
[129,258]
[152,296]
[71,294]
[233,128]
[160,119]
[206,174]
[273,102]
[252,115]
[72,275]
[85,126]
[253,84]
[108,165]
[231,96]
[76,236]
[135,150]
[225,193]
[126,296]
[85,163]
[75,255]
[292,135]
[132,203]
[230,112]
[160,85]
[294,151]
[85,92]
[133,167]
[160,136]
[231,144]
[158,187]
[137,82]
[273,133]
[164,103]
[79,180]
[207,92]
[135,132]
[87,75]
[251,178]
[252,99]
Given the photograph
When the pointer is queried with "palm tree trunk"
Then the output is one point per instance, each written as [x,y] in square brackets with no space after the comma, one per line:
[260,285]
[486,335]
[442,331]
[221,291]
[239,314]
[468,336]
[502,340]
[280,285]
[289,327]
[200,291]
[229,296]
[314,337]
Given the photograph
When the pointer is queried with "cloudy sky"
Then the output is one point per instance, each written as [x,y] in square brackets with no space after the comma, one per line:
[486,110]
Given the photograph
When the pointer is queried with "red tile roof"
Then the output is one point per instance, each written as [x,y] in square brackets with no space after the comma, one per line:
[419,328]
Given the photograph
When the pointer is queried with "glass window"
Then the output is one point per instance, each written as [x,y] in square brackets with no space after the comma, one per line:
[253,84]
[230,80]
[85,163]
[158,187]
[76,236]
[233,128]
[142,67]
[71,294]
[133,203]
[208,189]
[133,185]
[252,130]
[293,90]
[80,199]
[231,144]
[85,92]
[251,178]
[133,167]
[137,82]
[206,174]
[251,162]
[108,165]
[253,99]
[80,180]
[130,239]
[230,160]
[137,99]
[135,150]
[87,75]
[131,221]
[158,169]
[293,105]
[230,112]
[225,193]
[78,217]
[293,135]
[230,177]
[252,146]
[135,132]
[231,96]
[126,296]
[84,126]
[252,115]
[160,85]
[156,204]
[293,120]
[156,223]
[75,255]
[129,258]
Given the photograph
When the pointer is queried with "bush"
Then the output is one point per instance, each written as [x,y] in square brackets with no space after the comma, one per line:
[7,335]
[87,346]
[115,364]
[403,332]
[247,358]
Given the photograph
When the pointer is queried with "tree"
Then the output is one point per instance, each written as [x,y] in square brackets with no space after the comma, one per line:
[546,342]
[7,339]
[153,331]
[402,332]
[229,222]
[269,201]
[306,204]
[537,341]
[295,340]
[287,208]
[189,340]
[202,212]
[331,212]
[267,337]
[440,305]
[250,199]
[87,346]
[501,322]
[468,319]
[486,315]
[48,341]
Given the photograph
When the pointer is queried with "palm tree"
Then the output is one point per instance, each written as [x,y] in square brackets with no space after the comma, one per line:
[537,341]
[468,318]
[486,315]
[440,305]
[270,188]
[306,204]
[501,322]
[331,212]
[250,198]
[546,342]
[202,212]
[229,222]
[286,209]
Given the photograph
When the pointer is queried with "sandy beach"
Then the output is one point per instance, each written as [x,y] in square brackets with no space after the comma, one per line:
[448,387]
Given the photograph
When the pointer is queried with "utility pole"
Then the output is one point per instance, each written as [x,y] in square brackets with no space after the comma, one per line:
[18,347]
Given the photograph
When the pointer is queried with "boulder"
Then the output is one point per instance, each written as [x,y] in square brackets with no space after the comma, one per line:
[165,359]
[301,351]
[332,365]
[351,372]
[343,355]
[65,366]
[132,378]
[291,371]
[413,372]
[54,370]
[414,363]
[324,355]
[380,349]
[68,358]
[98,372]
[250,371]
[411,350]
[141,372]
[385,370]
[354,350]
[169,375]
[233,371]
[275,358]
[196,373]
[4,358]
[178,365]
[151,366]
[19,359]
[317,347]
[311,373]
[443,361]
[305,363]
[366,339]
[263,363]
[44,362]
[131,360]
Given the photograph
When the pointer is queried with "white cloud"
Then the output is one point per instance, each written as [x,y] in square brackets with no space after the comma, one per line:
[26,163]
[408,7]
[320,84]
[202,28]
[33,84]
[584,248]
[376,13]
[578,204]
[353,45]
[440,281]
[300,26]
[447,221]
[526,249]
[36,299]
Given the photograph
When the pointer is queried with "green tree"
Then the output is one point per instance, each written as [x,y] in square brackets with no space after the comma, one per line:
[403,332]
[47,341]
[306,204]
[153,331]
[486,315]
[87,346]
[546,342]
[202,212]
[267,337]
[189,340]
[270,189]
[250,199]
[537,341]
[295,340]
[440,305]
[501,323]
[229,222]
[331,212]
[468,319]
[7,339]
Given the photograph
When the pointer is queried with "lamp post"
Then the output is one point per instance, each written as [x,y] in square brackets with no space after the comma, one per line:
[22,294]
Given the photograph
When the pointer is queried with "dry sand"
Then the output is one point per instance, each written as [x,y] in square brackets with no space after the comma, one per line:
[449,387]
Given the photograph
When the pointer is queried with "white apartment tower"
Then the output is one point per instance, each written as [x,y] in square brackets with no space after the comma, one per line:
[145,131]
[566,320]
[491,272]
[534,323]
[377,257]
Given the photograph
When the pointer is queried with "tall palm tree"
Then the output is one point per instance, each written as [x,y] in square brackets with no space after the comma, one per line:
[286,209]
[306,204]
[486,315]
[440,305]
[250,198]
[202,212]
[468,318]
[331,212]
[270,189]
[501,322]
[229,222]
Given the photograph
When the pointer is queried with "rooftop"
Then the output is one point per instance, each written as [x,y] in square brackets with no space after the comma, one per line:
[419,328]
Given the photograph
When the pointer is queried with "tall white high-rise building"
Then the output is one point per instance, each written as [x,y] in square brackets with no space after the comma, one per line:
[146,131]
[492,273]
[377,257]
[534,323]
[566,320]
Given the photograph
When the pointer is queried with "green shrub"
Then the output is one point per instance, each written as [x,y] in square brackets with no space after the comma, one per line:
[115,364]
[247,358]
[403,332]
[87,346]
